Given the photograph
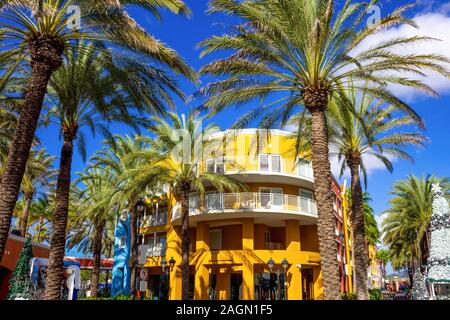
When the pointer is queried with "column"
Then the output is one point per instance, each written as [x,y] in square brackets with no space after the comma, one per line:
[201,283]
[174,250]
[318,283]
[248,279]
[294,274]
[202,241]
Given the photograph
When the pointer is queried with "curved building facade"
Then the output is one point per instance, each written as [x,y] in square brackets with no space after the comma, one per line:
[235,236]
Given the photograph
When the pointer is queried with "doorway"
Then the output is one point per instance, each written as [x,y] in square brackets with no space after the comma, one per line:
[236,286]
[307,284]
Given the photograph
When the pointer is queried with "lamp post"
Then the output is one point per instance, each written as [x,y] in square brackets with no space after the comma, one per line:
[167,270]
[270,264]
[139,207]
[285,265]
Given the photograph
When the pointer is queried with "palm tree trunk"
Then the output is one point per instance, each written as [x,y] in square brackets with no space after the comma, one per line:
[359,245]
[97,251]
[316,101]
[45,59]
[28,197]
[133,257]
[185,242]
[58,240]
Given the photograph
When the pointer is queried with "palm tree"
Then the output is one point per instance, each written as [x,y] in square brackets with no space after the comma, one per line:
[38,174]
[43,31]
[409,215]
[184,175]
[92,88]
[121,157]
[41,215]
[366,127]
[383,257]
[298,53]
[94,231]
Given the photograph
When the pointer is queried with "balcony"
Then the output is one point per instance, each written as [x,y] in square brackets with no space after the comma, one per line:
[150,250]
[248,202]
[273,246]
[264,165]
[158,219]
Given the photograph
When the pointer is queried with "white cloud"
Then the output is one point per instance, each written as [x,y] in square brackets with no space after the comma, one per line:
[371,163]
[435,25]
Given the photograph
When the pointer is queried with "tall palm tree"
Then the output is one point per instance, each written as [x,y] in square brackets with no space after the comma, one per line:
[408,219]
[121,157]
[92,88]
[184,175]
[383,257]
[297,53]
[38,174]
[367,127]
[43,30]
[94,231]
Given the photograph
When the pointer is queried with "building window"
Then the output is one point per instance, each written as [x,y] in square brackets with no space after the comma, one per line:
[215,165]
[122,242]
[215,237]
[269,163]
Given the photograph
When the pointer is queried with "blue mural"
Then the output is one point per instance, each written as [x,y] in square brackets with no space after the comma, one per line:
[122,243]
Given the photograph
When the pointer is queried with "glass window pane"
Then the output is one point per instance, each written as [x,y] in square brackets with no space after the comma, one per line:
[263,163]
[276,164]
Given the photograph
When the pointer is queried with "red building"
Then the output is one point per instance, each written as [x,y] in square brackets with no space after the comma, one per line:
[14,246]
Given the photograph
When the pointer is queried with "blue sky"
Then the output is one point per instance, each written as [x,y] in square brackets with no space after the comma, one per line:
[183,34]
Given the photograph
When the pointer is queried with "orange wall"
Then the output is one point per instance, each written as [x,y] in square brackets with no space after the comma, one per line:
[232,237]
[309,240]
[13,249]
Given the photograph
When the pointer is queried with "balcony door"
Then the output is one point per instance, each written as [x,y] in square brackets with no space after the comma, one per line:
[271,198]
[305,168]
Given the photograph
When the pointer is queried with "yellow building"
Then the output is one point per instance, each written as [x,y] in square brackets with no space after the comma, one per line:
[374,274]
[233,236]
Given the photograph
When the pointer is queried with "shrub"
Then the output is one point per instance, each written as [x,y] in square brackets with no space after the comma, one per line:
[348,296]
[375,294]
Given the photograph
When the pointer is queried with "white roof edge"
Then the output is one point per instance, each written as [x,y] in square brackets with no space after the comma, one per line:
[251,131]
[21,239]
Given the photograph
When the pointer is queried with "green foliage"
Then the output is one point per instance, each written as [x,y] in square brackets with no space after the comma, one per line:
[375,294]
[383,256]
[408,218]
[348,296]
[119,297]
[370,224]
[20,284]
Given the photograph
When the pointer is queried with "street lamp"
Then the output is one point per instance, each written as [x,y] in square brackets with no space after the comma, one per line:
[270,263]
[139,207]
[285,265]
[172,263]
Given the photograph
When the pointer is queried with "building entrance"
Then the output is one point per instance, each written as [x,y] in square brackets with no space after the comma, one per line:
[269,286]
[158,286]
[236,286]
[307,284]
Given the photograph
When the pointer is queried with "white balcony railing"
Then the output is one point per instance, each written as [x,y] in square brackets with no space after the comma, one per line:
[273,246]
[150,250]
[249,201]
[154,220]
